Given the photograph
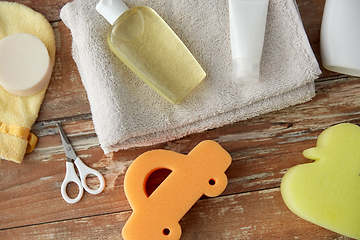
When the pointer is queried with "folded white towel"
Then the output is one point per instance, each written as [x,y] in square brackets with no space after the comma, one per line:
[127,113]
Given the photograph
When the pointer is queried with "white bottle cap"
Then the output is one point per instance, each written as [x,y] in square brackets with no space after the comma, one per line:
[25,64]
[246,70]
[111,9]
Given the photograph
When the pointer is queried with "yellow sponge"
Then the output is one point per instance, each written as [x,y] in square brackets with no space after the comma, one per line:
[327,191]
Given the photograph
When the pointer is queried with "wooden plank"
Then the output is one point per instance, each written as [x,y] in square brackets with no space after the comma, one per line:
[254,215]
[33,187]
[262,148]
[49,8]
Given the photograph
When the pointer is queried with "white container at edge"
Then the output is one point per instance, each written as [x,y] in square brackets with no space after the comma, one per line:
[340,36]
[247,31]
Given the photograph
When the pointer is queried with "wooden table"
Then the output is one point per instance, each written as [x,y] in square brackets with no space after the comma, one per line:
[262,148]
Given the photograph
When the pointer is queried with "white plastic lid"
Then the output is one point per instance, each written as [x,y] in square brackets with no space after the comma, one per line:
[246,70]
[25,64]
[111,9]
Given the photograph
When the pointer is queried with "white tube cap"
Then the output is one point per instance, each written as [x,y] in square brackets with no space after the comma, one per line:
[246,70]
[111,9]
[25,64]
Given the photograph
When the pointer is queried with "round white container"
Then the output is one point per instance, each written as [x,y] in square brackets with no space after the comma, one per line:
[340,36]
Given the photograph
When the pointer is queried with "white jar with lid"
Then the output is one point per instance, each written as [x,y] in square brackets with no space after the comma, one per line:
[340,36]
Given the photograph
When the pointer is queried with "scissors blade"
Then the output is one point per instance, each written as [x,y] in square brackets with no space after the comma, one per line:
[69,151]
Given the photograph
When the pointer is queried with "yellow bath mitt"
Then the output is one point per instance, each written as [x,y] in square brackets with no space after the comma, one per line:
[18,114]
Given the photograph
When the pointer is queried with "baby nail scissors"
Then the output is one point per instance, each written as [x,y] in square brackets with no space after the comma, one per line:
[71,175]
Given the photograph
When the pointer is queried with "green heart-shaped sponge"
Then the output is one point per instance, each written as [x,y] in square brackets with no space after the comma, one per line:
[327,191]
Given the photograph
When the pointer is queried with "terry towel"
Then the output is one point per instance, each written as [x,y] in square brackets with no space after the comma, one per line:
[18,114]
[127,113]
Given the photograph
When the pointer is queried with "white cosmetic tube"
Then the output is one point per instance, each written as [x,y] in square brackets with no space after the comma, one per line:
[247,31]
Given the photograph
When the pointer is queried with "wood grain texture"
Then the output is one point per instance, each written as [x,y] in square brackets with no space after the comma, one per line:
[241,213]
[262,148]
[49,8]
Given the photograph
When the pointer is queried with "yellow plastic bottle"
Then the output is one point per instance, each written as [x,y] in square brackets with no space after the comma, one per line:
[149,47]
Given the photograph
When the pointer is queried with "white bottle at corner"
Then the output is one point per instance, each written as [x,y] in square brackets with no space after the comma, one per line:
[340,36]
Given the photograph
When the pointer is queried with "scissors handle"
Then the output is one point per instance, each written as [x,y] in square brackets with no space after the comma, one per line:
[84,171]
[71,177]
